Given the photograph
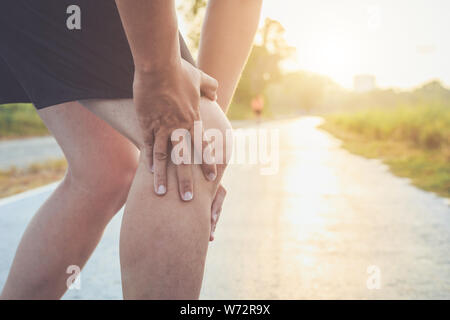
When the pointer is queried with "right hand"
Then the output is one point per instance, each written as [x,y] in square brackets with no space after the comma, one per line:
[168,98]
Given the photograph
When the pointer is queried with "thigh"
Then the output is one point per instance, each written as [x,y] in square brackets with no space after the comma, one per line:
[92,147]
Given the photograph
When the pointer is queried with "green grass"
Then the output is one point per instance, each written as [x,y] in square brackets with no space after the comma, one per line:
[20,120]
[413,141]
[422,127]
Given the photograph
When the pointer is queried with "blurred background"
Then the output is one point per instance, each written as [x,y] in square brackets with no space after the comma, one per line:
[359,91]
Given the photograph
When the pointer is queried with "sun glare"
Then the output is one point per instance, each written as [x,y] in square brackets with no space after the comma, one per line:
[330,54]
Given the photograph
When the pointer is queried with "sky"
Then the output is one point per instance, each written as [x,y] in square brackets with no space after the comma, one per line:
[403,43]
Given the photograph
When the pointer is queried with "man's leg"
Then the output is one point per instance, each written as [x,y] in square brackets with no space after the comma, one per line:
[164,240]
[68,226]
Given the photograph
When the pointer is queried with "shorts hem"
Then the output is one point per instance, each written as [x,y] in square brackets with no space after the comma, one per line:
[54,102]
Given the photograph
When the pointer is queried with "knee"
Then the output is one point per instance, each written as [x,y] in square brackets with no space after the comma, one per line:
[107,181]
[216,123]
[219,128]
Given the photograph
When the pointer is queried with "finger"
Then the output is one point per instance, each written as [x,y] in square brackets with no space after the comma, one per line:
[185,182]
[216,209]
[208,86]
[160,158]
[208,167]
[149,150]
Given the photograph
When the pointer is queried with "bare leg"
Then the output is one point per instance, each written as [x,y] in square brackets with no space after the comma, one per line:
[102,164]
[163,241]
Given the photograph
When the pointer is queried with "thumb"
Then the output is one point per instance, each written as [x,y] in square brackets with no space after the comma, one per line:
[208,86]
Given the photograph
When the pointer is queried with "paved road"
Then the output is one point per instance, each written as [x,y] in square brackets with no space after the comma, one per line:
[310,231]
[23,152]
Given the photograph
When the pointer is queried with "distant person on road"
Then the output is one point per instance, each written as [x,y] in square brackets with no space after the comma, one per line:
[112,80]
[258,106]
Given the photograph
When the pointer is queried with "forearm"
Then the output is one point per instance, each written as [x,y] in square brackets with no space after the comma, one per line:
[152,31]
[226,39]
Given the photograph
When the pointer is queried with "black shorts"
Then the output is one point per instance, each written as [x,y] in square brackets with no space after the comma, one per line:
[43,62]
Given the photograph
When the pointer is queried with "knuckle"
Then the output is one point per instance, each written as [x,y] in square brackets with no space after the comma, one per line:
[166,98]
[148,145]
[155,125]
[185,183]
[161,155]
[149,151]
[148,139]
[164,128]
[160,177]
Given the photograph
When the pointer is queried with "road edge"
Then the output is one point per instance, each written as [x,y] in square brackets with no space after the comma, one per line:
[28,193]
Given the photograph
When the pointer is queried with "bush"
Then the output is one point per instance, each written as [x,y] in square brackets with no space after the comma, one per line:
[423,127]
[19,120]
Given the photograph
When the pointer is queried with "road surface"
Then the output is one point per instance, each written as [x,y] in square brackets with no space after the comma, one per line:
[327,225]
[23,152]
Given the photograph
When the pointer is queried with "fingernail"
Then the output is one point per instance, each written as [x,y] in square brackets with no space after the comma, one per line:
[187,196]
[211,176]
[161,189]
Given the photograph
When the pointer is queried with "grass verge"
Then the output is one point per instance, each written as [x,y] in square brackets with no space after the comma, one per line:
[14,180]
[425,163]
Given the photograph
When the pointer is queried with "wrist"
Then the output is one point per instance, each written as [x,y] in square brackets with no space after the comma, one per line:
[167,56]
[147,67]
[156,75]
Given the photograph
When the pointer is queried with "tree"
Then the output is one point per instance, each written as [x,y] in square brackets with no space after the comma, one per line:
[193,12]
[263,65]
